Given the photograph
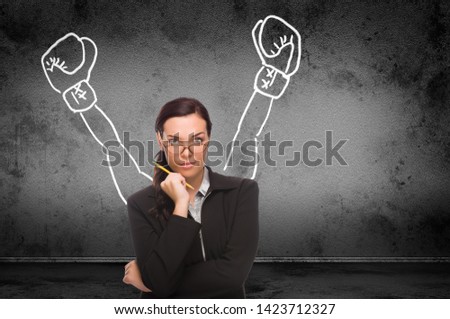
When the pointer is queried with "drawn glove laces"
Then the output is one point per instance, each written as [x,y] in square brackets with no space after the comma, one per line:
[67,65]
[279,47]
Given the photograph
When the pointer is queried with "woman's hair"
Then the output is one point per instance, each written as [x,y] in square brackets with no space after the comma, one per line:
[179,107]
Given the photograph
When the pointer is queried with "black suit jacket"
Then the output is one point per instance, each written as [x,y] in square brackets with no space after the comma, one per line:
[168,252]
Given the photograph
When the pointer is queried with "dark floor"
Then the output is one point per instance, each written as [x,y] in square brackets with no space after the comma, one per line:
[266,280]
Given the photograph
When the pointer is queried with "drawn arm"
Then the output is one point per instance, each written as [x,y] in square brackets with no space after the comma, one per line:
[278,45]
[67,65]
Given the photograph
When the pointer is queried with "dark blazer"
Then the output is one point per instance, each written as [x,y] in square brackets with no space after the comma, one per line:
[169,254]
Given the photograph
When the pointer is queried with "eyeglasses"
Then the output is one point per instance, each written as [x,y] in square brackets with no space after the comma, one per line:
[177,147]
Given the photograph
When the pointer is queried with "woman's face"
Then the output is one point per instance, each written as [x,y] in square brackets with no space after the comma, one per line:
[183,142]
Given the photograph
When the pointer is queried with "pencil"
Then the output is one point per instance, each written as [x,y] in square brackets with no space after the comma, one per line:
[168,172]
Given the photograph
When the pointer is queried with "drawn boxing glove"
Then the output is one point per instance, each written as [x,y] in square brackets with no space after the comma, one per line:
[279,47]
[67,65]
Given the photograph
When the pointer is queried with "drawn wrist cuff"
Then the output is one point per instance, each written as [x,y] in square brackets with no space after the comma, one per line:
[270,82]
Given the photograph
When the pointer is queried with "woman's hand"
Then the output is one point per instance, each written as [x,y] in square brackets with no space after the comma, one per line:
[175,187]
[133,276]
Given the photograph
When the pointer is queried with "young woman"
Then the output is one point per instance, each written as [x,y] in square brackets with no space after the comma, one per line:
[191,243]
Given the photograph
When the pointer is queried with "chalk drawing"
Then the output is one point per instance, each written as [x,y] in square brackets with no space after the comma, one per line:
[278,45]
[71,79]
[78,94]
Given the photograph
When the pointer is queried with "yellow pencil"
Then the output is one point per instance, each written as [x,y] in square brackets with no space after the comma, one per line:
[168,172]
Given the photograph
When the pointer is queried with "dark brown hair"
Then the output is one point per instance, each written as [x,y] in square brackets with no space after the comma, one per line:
[179,107]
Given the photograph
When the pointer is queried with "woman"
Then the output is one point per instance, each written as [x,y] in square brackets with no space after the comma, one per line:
[191,243]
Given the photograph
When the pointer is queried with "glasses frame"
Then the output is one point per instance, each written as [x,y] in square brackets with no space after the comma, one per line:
[183,144]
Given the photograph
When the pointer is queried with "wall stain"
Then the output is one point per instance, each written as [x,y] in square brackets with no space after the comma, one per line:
[3,80]
[435,113]
[345,79]
[405,73]
[438,91]
[36,249]
[396,175]
[437,30]
[382,225]
[8,228]
[81,10]
[182,24]
[315,245]
[436,225]
[241,9]
[20,22]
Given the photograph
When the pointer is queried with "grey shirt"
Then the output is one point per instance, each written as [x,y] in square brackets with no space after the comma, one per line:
[195,209]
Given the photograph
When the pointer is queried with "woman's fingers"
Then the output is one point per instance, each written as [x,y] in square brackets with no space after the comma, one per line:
[128,269]
[129,264]
[133,276]
[174,187]
[174,178]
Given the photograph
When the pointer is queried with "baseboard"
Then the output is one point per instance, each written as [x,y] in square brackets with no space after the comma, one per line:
[350,259]
[257,260]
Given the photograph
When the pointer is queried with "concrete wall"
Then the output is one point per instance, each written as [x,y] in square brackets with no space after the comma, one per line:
[373,72]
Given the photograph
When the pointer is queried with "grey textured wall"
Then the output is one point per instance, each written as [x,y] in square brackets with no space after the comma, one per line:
[373,72]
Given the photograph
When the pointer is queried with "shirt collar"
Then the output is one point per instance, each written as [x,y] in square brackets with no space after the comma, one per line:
[204,186]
